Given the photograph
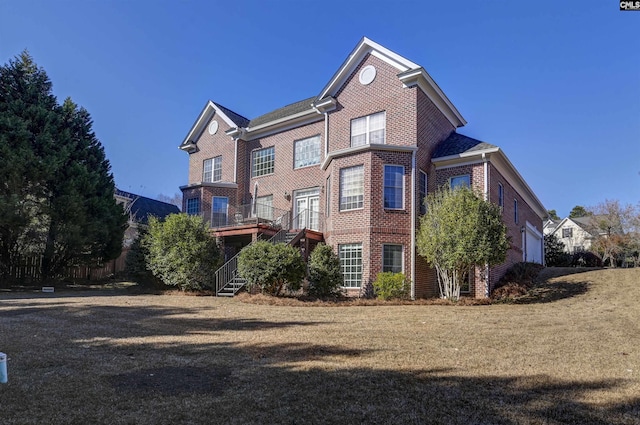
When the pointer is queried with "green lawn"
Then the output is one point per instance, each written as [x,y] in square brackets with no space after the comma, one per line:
[570,353]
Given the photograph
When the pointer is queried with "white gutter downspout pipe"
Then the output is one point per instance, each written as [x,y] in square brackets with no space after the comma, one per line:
[485,164]
[413,225]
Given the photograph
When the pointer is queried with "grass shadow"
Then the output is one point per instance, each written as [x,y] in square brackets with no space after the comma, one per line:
[549,292]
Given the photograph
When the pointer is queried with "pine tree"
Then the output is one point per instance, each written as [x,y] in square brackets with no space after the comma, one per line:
[57,200]
[27,119]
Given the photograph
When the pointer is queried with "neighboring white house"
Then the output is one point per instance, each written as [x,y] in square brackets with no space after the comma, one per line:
[573,233]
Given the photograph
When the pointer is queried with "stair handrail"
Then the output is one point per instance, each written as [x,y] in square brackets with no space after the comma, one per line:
[229,270]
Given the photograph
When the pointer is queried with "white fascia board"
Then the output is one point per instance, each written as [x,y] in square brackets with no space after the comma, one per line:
[422,79]
[209,110]
[559,226]
[327,104]
[364,148]
[353,60]
[188,147]
[222,185]
[283,124]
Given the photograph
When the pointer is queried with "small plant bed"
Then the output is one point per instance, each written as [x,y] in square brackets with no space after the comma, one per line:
[308,301]
[517,281]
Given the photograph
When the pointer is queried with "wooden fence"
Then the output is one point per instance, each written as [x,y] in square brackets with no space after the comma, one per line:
[29,269]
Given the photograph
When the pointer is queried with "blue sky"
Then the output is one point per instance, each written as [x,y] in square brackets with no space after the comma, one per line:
[555,84]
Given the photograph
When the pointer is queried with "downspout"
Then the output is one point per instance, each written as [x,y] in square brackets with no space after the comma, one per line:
[326,135]
[413,225]
[485,161]
[235,162]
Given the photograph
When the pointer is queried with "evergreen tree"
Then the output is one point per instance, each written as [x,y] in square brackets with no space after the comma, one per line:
[579,211]
[553,215]
[56,199]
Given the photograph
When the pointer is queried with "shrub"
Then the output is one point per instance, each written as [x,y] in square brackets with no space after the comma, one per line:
[181,252]
[136,264]
[509,291]
[325,276]
[390,285]
[518,276]
[554,254]
[272,267]
[586,259]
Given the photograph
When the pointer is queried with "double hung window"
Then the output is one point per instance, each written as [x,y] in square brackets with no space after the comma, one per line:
[368,130]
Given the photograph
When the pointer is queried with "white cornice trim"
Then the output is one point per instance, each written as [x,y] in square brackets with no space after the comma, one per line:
[210,109]
[499,160]
[421,78]
[327,104]
[364,148]
[189,147]
[222,185]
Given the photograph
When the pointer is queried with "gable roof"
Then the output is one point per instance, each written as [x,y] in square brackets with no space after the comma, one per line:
[458,144]
[210,109]
[142,207]
[409,73]
[583,223]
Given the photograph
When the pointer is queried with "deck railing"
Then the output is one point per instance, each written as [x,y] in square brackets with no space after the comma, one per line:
[240,215]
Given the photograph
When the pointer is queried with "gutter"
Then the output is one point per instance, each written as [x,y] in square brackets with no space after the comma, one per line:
[413,225]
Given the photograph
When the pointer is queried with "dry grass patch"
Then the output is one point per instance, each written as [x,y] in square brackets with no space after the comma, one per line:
[108,357]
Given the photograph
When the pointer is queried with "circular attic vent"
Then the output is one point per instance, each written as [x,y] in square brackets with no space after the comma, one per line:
[213,127]
[367,75]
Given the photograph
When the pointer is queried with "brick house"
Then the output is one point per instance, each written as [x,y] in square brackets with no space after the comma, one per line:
[351,167]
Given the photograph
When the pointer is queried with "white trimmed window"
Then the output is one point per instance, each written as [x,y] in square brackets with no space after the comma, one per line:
[351,264]
[422,191]
[463,180]
[392,258]
[193,206]
[368,130]
[262,161]
[351,188]
[500,195]
[264,207]
[393,187]
[567,232]
[306,152]
[219,211]
[212,169]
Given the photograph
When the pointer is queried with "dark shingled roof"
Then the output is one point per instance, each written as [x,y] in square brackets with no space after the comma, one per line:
[457,143]
[143,207]
[286,111]
[238,119]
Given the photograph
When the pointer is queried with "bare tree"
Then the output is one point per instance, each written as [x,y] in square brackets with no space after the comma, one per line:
[176,199]
[615,229]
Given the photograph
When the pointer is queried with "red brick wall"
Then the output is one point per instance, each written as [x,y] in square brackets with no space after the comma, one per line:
[525,213]
[210,146]
[285,178]
[385,93]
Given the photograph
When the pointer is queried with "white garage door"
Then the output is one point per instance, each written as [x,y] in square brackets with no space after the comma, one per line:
[533,244]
